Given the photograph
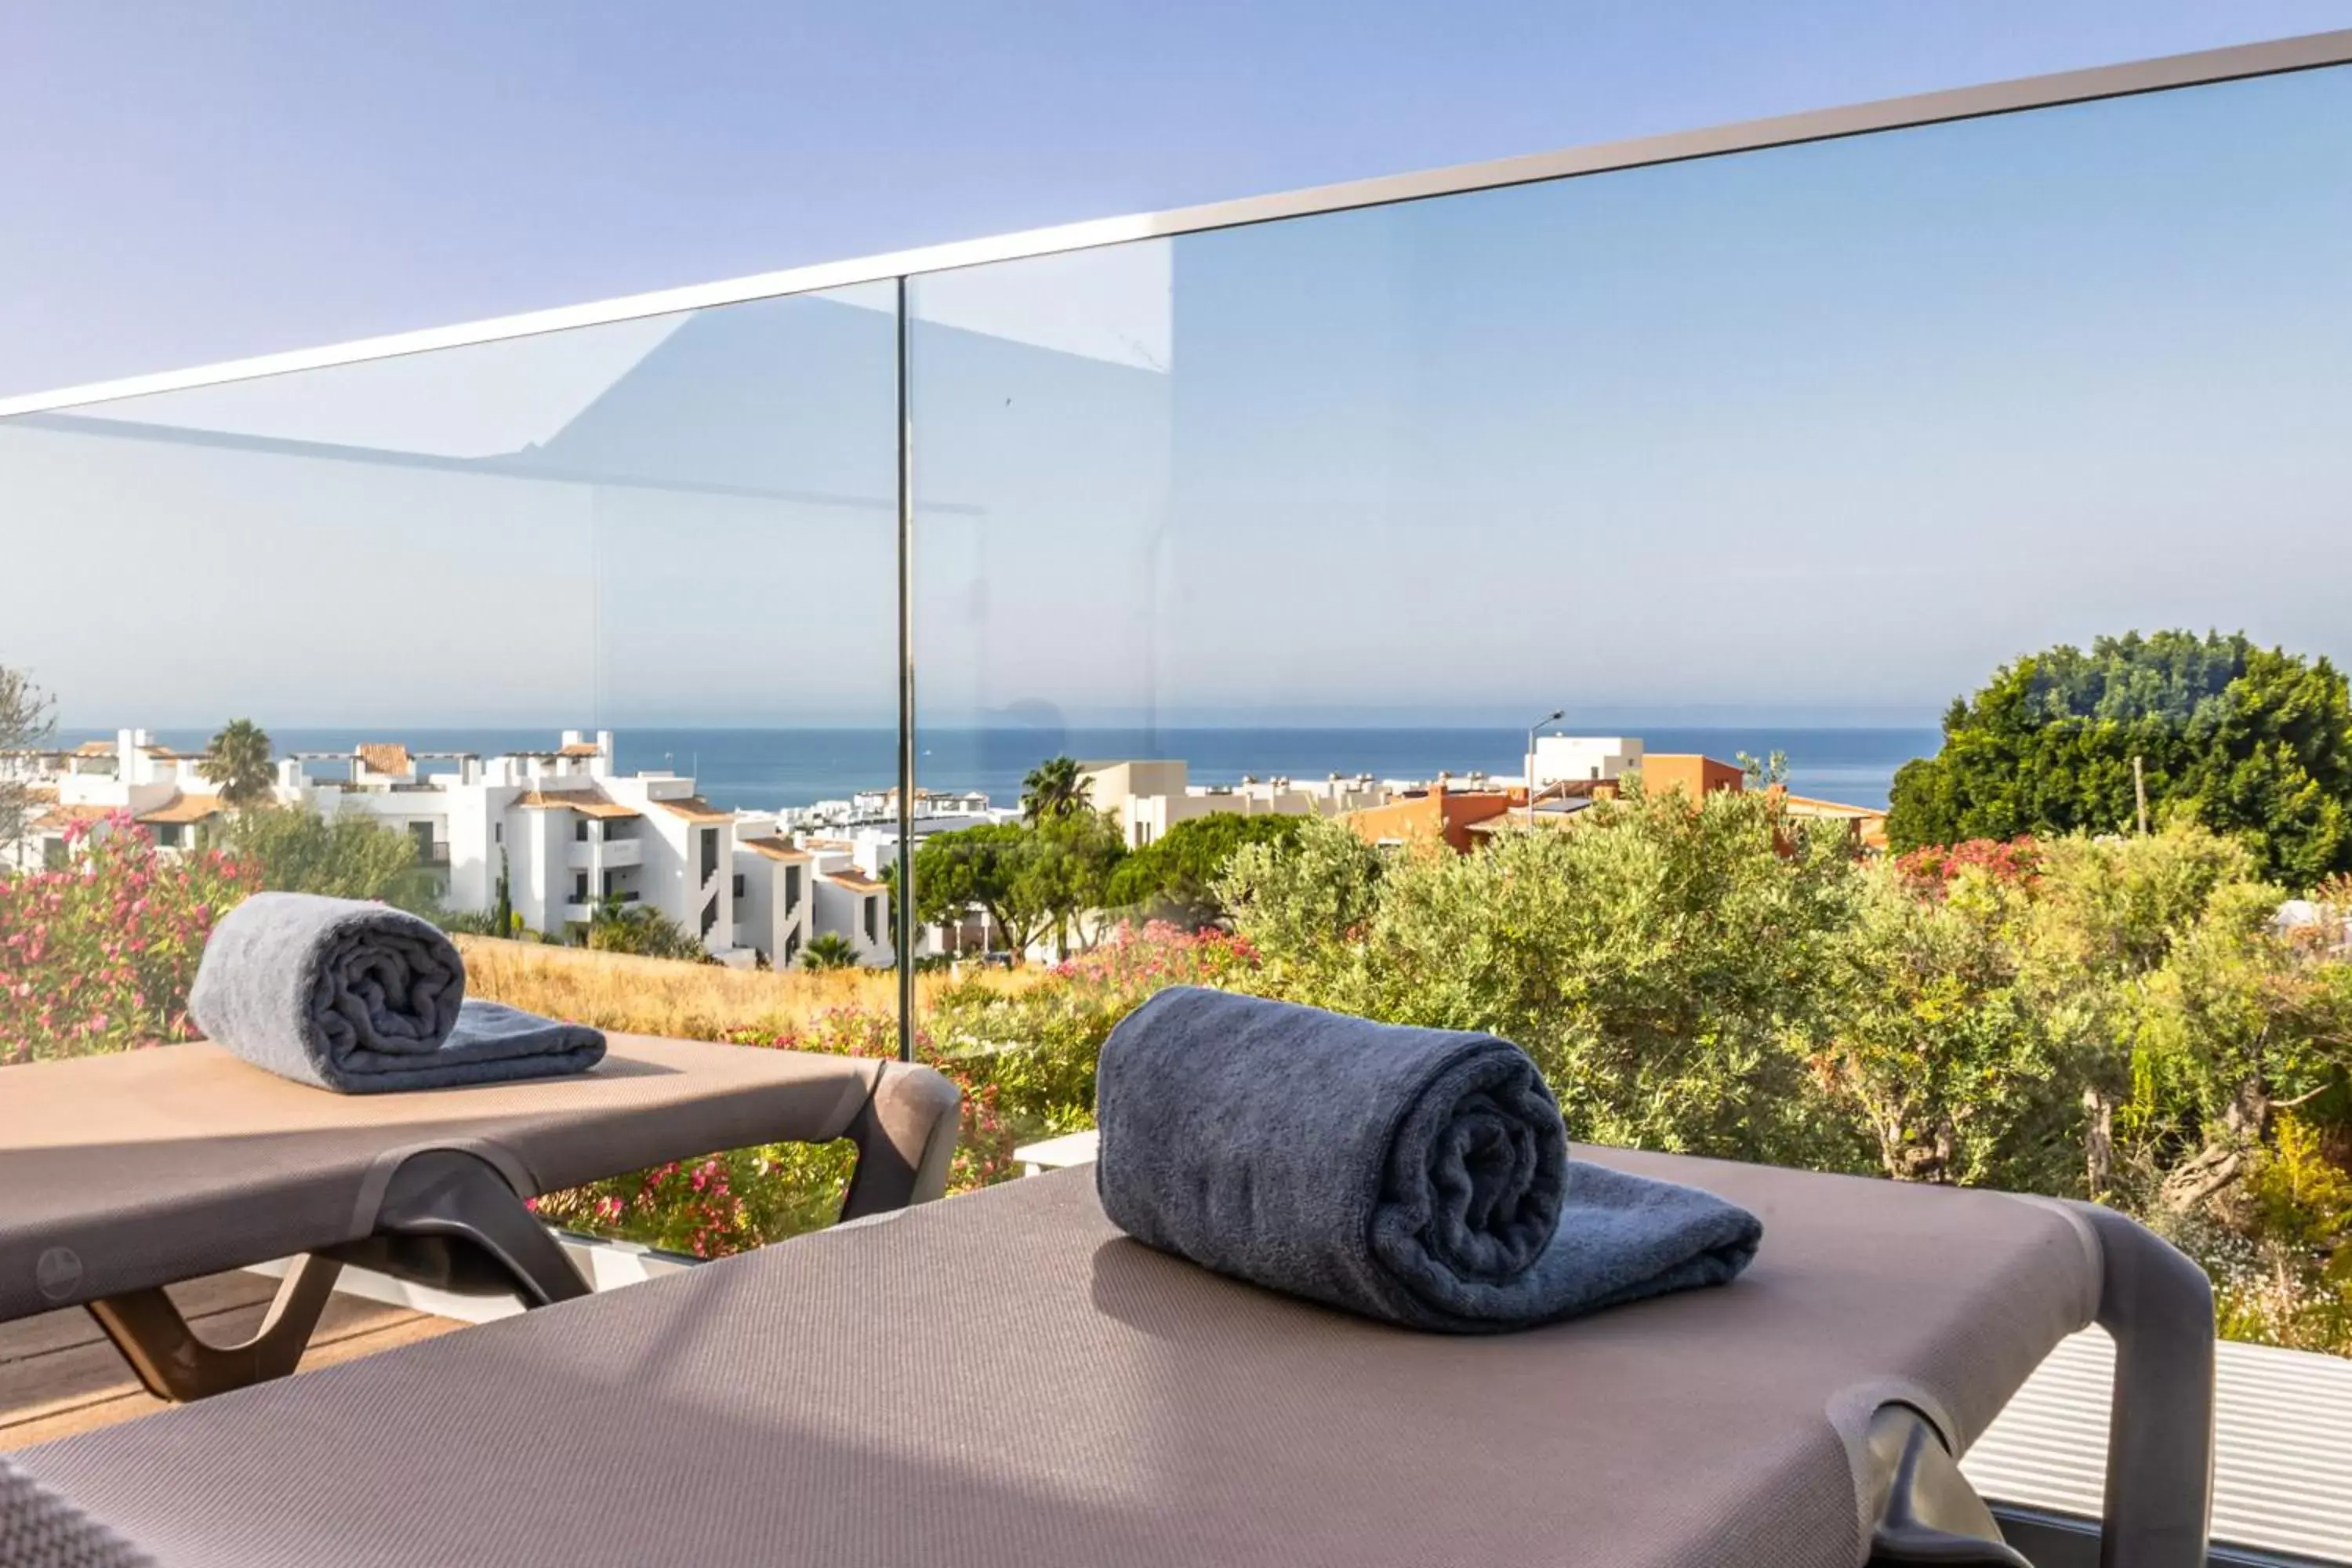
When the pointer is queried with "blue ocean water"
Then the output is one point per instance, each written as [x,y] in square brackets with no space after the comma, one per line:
[765,769]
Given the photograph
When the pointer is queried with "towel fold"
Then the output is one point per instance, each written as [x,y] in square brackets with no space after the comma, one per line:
[1416,1175]
[364,999]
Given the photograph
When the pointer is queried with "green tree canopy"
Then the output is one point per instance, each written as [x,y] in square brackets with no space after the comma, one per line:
[1072,860]
[2255,743]
[1664,967]
[299,851]
[26,716]
[1175,876]
[239,764]
[1030,878]
[988,866]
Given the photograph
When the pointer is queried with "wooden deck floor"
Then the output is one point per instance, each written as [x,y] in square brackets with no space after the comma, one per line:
[60,1375]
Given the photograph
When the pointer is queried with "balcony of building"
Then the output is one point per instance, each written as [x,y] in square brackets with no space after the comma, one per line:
[1942,446]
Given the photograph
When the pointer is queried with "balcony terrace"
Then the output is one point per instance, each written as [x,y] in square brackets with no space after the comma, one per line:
[1740,455]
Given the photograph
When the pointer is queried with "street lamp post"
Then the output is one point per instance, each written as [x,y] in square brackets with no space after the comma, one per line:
[1552,718]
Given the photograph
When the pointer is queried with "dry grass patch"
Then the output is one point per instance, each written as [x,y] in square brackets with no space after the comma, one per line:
[684,1001]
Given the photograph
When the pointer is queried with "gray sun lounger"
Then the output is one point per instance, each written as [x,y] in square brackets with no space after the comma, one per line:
[1002,1379]
[121,1175]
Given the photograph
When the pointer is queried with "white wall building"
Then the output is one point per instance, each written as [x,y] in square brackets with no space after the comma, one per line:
[156,786]
[945,808]
[565,828]
[1148,797]
[850,898]
[774,892]
[1583,759]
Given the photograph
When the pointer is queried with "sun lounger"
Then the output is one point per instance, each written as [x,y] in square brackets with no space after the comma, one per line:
[1004,1379]
[121,1175]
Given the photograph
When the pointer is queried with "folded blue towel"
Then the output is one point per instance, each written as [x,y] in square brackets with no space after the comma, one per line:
[1416,1175]
[363,999]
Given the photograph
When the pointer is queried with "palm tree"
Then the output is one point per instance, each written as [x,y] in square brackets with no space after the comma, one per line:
[1054,788]
[828,949]
[238,763]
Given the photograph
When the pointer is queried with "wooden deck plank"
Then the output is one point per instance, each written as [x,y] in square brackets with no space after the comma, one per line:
[57,1379]
[198,1300]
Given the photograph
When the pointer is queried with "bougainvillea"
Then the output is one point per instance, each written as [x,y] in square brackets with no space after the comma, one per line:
[99,955]
[1932,869]
[749,1198]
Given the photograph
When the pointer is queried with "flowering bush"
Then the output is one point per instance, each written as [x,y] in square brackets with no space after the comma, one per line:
[2008,862]
[99,955]
[985,1140]
[749,1197]
[714,1206]
[1138,961]
[1024,1061]
[1036,1048]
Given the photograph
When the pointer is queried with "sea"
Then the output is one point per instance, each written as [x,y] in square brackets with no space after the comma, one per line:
[766,769]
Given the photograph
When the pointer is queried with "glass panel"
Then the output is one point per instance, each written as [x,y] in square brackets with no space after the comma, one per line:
[1048,605]
[546,638]
[1694,497]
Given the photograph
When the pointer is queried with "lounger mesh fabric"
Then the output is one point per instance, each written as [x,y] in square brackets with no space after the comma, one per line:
[40,1530]
[1004,1379]
[122,1172]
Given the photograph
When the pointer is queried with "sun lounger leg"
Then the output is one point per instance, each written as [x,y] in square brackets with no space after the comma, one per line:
[906,1135]
[2159,1308]
[174,1364]
[448,1193]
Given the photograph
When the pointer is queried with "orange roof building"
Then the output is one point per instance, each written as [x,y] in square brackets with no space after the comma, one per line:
[1438,815]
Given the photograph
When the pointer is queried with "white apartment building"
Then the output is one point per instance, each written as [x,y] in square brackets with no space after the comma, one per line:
[946,809]
[1583,759]
[565,828]
[89,784]
[1148,797]
[851,901]
[774,891]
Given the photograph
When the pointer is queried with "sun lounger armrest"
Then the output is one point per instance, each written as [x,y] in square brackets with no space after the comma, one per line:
[2159,1308]
[906,1135]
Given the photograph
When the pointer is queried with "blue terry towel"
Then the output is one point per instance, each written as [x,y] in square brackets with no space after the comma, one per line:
[1416,1175]
[364,999]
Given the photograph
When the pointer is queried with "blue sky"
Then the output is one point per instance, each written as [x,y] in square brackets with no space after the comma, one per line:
[193,182]
[1813,435]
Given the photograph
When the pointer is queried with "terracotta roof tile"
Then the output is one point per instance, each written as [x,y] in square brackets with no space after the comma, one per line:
[694,809]
[183,807]
[387,757]
[776,848]
[61,815]
[586,802]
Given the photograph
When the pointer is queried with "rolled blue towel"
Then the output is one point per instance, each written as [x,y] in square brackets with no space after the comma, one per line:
[363,999]
[1416,1175]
